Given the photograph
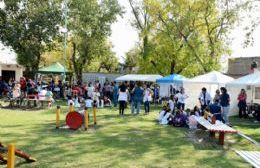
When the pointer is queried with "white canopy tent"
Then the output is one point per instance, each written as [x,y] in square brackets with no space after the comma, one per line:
[251,83]
[139,77]
[211,81]
[213,77]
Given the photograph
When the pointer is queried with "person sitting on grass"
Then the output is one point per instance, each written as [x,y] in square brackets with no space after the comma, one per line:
[196,111]
[107,102]
[179,120]
[192,121]
[164,116]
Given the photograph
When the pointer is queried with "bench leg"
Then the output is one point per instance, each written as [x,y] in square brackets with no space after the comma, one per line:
[221,138]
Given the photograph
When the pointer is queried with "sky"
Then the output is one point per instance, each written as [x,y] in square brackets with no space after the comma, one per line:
[124,37]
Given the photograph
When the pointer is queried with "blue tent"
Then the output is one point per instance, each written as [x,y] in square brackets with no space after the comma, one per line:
[174,78]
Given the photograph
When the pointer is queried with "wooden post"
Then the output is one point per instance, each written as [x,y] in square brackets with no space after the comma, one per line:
[86,118]
[58,117]
[11,156]
[221,138]
[71,109]
[95,112]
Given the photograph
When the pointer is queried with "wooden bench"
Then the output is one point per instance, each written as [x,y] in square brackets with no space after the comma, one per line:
[252,157]
[218,127]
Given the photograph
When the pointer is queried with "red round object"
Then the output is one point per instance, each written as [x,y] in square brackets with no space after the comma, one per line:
[74,120]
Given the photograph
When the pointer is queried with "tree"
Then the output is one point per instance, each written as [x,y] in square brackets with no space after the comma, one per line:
[142,23]
[189,37]
[105,62]
[29,27]
[132,59]
[89,26]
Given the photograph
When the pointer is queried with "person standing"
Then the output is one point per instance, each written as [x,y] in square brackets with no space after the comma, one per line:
[242,103]
[122,98]
[204,99]
[224,103]
[147,98]
[181,98]
[115,94]
[137,97]
[217,96]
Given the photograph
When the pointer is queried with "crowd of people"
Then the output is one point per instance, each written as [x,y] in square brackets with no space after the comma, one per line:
[174,112]
[128,93]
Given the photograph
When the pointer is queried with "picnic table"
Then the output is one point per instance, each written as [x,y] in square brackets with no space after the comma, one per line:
[218,127]
[252,157]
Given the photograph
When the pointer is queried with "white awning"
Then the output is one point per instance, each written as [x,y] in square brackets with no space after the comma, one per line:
[251,79]
[213,77]
[139,77]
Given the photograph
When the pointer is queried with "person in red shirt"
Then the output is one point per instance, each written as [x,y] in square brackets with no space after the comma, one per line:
[242,103]
[23,85]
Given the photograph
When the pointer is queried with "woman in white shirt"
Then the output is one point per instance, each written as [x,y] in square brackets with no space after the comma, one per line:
[147,98]
[181,99]
[122,98]
[171,103]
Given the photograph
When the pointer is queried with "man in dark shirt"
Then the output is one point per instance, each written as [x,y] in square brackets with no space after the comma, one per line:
[224,103]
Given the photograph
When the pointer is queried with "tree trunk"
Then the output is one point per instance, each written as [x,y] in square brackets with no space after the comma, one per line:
[173,64]
[145,47]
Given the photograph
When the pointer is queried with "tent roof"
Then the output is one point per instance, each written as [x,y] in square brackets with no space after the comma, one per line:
[139,77]
[213,77]
[251,79]
[174,78]
[53,68]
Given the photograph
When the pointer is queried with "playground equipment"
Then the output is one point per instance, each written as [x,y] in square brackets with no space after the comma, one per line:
[75,119]
[11,153]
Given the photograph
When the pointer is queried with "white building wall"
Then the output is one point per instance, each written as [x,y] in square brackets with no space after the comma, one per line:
[18,70]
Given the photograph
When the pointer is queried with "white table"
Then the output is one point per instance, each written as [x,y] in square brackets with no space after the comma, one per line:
[218,127]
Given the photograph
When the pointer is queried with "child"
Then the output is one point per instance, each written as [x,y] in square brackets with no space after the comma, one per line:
[179,119]
[76,101]
[88,102]
[192,121]
[207,113]
[107,102]
[196,111]
[70,101]
[49,96]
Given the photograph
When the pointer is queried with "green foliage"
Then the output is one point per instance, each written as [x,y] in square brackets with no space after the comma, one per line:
[29,27]
[105,62]
[89,26]
[189,37]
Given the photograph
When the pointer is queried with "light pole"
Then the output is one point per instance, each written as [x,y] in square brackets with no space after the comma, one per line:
[65,31]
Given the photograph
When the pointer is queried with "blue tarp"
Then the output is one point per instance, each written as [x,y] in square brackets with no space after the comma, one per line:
[174,78]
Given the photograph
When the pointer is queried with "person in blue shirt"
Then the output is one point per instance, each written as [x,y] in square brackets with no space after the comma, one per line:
[137,97]
[224,103]
[115,94]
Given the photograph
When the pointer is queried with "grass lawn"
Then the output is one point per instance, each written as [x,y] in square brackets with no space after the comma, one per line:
[130,141]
